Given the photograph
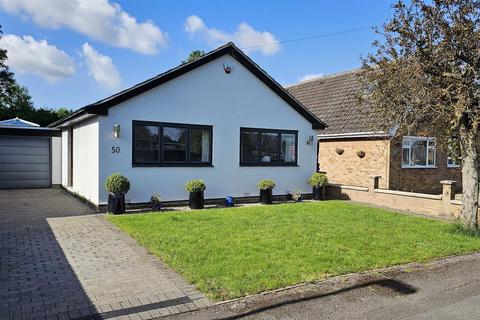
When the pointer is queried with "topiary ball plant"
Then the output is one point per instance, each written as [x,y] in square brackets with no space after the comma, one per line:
[266,184]
[195,186]
[318,180]
[117,183]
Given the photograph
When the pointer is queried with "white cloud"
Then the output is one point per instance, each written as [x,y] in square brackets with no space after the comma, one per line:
[98,19]
[310,76]
[101,68]
[27,55]
[245,36]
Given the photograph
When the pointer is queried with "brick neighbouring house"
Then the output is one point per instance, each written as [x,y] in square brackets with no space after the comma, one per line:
[406,163]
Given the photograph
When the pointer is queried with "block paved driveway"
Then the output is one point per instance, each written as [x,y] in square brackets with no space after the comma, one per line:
[60,260]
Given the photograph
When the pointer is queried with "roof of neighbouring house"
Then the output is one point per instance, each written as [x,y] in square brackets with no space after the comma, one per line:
[337,98]
[17,122]
[101,107]
[20,127]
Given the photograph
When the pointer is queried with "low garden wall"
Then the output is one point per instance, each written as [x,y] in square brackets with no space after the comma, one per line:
[441,205]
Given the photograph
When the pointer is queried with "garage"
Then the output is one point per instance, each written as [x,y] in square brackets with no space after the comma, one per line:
[26,156]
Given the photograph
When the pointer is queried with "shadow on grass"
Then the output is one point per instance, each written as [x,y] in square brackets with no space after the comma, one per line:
[459,228]
[394,285]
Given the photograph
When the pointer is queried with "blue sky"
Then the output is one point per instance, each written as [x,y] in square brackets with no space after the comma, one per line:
[74,54]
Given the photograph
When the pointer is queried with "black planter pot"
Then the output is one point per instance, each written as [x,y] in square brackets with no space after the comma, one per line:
[116,203]
[266,196]
[319,193]
[156,206]
[196,201]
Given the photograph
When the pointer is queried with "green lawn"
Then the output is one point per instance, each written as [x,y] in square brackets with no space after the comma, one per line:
[233,252]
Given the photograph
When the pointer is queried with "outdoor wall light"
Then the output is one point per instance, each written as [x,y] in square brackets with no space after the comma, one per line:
[116,131]
[310,140]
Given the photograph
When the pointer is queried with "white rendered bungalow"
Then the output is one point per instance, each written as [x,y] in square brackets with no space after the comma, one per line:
[220,118]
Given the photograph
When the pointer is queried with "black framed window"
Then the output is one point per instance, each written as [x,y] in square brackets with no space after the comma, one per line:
[268,147]
[171,144]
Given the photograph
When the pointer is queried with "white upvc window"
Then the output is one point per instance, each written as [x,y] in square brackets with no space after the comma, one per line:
[451,163]
[418,152]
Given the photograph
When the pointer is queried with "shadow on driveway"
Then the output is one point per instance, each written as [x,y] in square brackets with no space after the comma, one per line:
[60,261]
[36,279]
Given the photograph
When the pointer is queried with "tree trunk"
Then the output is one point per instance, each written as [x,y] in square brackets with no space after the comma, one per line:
[469,180]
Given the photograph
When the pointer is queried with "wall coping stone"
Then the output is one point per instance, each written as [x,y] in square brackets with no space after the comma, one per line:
[448,182]
[456,202]
[410,194]
[347,187]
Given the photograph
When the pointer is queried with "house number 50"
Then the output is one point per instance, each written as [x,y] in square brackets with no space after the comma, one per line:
[115,149]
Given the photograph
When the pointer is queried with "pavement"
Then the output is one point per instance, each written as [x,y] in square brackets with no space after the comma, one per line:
[443,289]
[60,260]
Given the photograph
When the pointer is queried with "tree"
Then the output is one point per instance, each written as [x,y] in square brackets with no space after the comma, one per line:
[194,55]
[6,77]
[17,103]
[425,76]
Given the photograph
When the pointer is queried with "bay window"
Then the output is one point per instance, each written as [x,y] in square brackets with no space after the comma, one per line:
[171,144]
[418,152]
[268,147]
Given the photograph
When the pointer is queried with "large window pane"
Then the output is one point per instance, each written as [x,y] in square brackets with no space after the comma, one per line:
[288,150]
[200,145]
[268,147]
[418,154]
[146,143]
[406,156]
[174,144]
[249,148]
[431,156]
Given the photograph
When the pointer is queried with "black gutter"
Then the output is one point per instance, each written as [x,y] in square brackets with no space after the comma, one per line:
[36,131]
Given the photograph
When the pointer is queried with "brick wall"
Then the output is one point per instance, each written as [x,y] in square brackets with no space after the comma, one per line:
[439,205]
[348,168]
[382,158]
[420,180]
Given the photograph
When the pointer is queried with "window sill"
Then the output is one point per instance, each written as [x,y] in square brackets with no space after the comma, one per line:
[419,167]
[179,165]
[453,167]
[268,165]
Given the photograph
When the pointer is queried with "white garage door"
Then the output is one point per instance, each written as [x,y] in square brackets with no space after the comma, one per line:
[24,162]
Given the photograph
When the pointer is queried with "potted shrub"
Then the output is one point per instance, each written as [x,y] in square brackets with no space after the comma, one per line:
[117,185]
[196,188]
[266,186]
[318,181]
[156,201]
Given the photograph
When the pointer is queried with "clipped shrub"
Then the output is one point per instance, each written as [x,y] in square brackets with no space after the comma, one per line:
[155,198]
[195,186]
[318,179]
[266,184]
[117,183]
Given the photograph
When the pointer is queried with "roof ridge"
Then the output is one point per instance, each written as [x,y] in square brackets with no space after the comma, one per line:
[101,107]
[328,76]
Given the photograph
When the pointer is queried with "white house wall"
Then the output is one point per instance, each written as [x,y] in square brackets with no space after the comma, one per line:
[206,96]
[56,143]
[85,159]
[64,151]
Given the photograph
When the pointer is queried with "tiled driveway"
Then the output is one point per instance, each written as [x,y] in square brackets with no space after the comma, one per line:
[59,260]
